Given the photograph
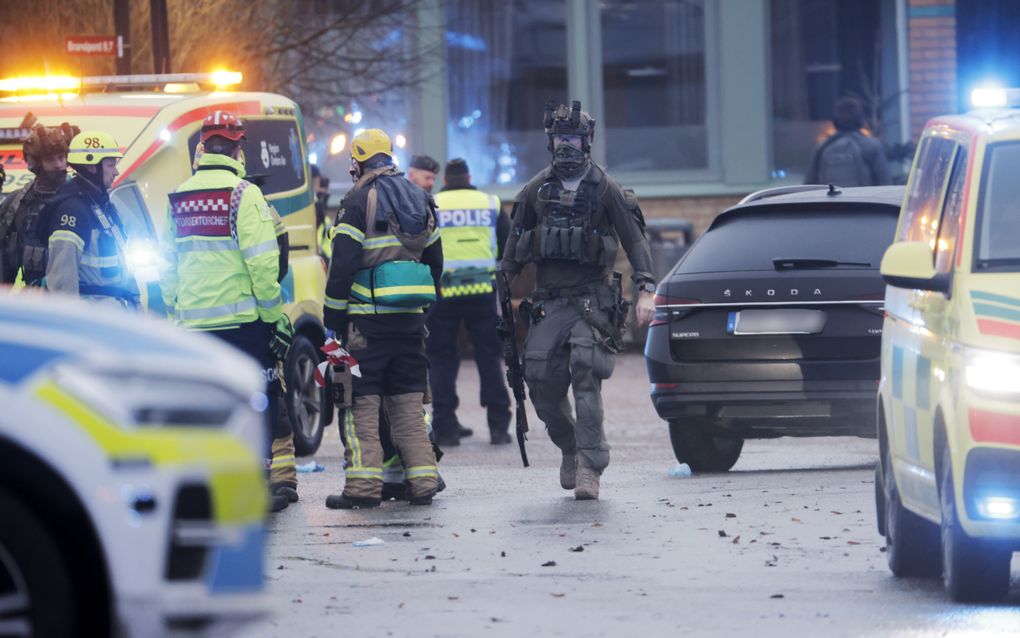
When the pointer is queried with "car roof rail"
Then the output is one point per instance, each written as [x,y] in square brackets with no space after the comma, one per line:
[781,190]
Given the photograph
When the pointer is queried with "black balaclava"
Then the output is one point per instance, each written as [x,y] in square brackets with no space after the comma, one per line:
[93,178]
[569,162]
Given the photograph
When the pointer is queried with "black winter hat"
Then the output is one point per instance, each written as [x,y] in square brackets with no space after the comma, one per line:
[424,163]
[457,166]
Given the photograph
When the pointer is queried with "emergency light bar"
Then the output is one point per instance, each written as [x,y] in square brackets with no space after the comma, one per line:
[994,97]
[64,83]
[216,78]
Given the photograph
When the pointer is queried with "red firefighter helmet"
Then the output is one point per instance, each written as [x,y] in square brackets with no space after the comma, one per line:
[222,123]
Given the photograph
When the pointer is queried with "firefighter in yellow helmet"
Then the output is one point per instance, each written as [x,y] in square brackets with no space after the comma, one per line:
[223,274]
[85,237]
[386,266]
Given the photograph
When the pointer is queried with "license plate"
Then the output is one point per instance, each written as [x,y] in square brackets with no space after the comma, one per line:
[776,322]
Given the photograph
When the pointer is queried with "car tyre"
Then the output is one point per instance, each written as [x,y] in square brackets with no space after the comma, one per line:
[36,594]
[696,445]
[911,542]
[972,570]
[306,401]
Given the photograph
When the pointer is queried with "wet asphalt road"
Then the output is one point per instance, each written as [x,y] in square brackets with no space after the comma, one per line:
[783,545]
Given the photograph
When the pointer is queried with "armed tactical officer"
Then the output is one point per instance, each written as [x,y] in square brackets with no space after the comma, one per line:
[223,274]
[84,235]
[387,262]
[45,152]
[473,228]
[570,220]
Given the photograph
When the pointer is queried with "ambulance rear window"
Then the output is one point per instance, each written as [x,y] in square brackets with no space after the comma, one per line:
[272,152]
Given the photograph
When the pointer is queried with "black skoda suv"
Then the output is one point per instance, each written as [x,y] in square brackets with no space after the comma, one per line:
[771,324]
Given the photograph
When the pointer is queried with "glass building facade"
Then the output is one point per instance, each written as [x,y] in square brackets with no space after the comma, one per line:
[692,97]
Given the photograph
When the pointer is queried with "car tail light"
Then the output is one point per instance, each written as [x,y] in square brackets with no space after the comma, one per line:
[664,306]
[659,387]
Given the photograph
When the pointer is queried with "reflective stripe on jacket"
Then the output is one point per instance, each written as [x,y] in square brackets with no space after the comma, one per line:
[221,249]
[468,220]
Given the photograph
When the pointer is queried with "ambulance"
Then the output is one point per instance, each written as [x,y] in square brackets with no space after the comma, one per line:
[132,494]
[948,484]
[156,119]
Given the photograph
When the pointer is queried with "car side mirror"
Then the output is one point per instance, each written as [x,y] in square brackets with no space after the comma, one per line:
[911,264]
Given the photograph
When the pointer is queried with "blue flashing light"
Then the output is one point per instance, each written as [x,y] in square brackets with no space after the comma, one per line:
[989,97]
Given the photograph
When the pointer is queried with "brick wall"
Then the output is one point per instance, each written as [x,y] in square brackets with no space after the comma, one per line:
[698,210]
[931,31]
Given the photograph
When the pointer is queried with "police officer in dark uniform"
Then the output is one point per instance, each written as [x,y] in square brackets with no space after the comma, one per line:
[474,228]
[45,152]
[570,220]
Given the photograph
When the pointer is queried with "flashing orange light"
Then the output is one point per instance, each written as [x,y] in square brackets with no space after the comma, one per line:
[226,78]
[336,146]
[49,84]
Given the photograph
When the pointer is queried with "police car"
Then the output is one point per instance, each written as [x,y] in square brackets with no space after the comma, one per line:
[157,119]
[131,482]
[948,485]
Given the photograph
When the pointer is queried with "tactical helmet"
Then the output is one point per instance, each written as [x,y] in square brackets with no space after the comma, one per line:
[224,124]
[369,143]
[91,147]
[47,141]
[559,120]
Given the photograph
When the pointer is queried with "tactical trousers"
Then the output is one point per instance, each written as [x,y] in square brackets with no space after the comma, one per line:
[478,312]
[393,377]
[253,339]
[561,352]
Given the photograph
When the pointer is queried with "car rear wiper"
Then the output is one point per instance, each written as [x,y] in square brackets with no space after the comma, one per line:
[808,264]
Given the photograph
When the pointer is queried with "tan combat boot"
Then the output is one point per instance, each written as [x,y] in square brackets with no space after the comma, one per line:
[568,471]
[587,481]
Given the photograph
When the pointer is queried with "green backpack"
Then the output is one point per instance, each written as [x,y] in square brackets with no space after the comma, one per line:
[398,284]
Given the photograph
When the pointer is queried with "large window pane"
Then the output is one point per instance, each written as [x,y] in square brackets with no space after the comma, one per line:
[653,77]
[505,59]
[821,51]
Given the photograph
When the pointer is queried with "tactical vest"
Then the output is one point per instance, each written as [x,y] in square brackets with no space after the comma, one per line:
[467,219]
[570,226]
[19,228]
[391,267]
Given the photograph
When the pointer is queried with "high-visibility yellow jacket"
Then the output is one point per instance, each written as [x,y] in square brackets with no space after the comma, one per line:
[468,220]
[221,250]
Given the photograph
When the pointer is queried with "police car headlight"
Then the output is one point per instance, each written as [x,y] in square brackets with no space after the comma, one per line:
[994,373]
[142,400]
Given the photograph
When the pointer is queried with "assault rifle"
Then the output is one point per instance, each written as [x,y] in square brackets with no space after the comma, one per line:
[514,371]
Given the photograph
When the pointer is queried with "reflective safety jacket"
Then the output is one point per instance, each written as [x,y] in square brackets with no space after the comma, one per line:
[221,250]
[86,244]
[468,220]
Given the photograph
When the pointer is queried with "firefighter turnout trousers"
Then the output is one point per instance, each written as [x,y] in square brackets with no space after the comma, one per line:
[393,377]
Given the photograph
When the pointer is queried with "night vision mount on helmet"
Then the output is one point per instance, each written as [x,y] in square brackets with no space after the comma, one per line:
[47,141]
[559,120]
